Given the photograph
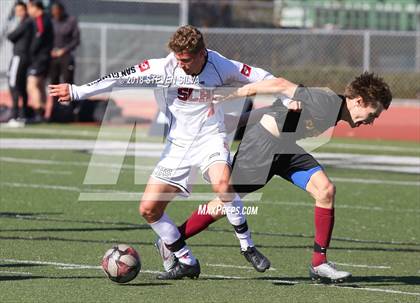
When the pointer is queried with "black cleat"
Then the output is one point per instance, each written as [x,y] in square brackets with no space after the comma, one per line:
[257,259]
[180,271]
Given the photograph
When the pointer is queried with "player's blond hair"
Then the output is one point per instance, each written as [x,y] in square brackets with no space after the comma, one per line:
[371,88]
[186,38]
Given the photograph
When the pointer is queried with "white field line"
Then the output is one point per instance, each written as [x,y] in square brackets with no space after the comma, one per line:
[374,181]
[51,172]
[347,146]
[117,134]
[235,266]
[60,144]
[81,266]
[15,272]
[388,291]
[41,186]
[73,163]
[61,265]
[364,266]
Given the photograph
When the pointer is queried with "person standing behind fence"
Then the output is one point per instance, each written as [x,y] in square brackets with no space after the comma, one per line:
[21,38]
[66,40]
[40,52]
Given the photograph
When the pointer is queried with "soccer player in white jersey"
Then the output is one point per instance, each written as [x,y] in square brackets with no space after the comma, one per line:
[196,138]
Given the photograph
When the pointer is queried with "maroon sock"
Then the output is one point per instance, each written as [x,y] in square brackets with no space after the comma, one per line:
[195,224]
[324,224]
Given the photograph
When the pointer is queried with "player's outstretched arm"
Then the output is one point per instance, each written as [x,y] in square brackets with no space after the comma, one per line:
[269,86]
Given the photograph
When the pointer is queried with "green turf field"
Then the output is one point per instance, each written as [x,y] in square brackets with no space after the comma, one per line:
[51,242]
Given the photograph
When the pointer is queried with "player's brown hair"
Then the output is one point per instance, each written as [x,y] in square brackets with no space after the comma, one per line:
[186,38]
[371,88]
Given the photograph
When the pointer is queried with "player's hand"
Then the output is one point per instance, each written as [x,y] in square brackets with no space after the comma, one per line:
[295,106]
[61,91]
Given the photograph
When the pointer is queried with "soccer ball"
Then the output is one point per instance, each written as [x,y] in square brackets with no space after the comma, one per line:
[121,263]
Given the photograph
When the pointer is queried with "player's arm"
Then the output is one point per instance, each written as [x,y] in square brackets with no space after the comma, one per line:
[233,122]
[138,74]
[257,80]
[269,86]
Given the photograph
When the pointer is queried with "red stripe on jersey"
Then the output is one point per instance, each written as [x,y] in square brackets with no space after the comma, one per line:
[40,25]
[246,70]
[144,65]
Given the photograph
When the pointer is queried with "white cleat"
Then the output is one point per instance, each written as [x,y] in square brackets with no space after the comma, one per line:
[168,258]
[328,273]
[13,123]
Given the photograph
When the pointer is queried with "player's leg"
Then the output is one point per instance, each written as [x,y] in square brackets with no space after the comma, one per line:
[219,174]
[156,197]
[305,172]
[323,191]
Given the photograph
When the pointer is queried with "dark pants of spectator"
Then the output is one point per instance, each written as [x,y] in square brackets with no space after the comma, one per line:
[62,69]
[17,84]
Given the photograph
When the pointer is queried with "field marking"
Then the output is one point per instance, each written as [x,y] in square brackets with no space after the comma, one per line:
[41,186]
[51,172]
[364,266]
[389,291]
[15,272]
[117,134]
[73,163]
[371,147]
[373,181]
[81,266]
[61,265]
[235,266]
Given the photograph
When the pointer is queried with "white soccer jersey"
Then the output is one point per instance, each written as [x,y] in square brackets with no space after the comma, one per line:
[186,100]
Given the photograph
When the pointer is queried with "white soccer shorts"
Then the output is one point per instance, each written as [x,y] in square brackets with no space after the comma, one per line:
[179,164]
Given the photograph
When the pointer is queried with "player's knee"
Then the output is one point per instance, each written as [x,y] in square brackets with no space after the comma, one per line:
[149,212]
[326,194]
[224,191]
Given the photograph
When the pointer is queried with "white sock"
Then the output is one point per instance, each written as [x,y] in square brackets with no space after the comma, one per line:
[169,233]
[185,256]
[166,229]
[245,240]
[235,217]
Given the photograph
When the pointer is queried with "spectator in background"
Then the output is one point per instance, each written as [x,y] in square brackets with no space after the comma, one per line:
[21,38]
[66,39]
[40,53]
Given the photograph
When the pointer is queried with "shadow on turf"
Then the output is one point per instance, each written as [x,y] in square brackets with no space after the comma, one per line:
[27,277]
[145,284]
[34,277]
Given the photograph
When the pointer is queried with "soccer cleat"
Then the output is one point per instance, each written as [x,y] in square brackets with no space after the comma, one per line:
[168,258]
[256,258]
[14,123]
[180,271]
[328,273]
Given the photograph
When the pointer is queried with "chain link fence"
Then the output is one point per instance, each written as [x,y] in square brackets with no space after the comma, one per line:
[313,57]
